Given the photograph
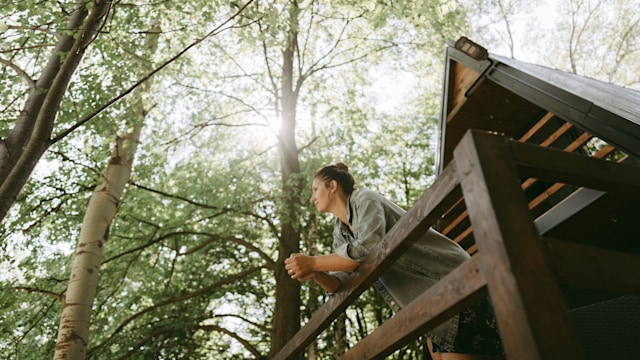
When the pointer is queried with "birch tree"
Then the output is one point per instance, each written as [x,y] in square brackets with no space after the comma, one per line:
[77,303]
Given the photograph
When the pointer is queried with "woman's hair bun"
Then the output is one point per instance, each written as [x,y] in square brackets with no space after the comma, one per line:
[338,172]
[342,166]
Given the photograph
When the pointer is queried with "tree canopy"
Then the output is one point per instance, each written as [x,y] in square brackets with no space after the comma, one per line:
[237,105]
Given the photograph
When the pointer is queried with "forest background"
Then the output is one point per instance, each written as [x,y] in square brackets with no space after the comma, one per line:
[155,156]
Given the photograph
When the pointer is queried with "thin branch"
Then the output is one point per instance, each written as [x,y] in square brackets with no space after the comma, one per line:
[40,291]
[22,73]
[177,197]
[178,299]
[272,78]
[215,238]
[268,221]
[35,323]
[150,243]
[302,148]
[149,336]
[237,337]
[218,29]
[248,321]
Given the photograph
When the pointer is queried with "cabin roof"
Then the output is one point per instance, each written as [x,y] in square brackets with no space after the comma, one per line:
[504,95]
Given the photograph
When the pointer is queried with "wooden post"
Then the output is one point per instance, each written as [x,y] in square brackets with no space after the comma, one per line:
[530,308]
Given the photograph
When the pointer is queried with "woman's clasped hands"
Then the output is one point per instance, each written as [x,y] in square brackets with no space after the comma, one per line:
[300,267]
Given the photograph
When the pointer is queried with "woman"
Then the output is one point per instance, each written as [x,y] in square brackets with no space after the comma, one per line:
[363,217]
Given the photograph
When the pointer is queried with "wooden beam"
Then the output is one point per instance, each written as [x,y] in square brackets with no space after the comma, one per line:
[452,294]
[580,141]
[439,197]
[590,267]
[529,306]
[577,143]
[559,166]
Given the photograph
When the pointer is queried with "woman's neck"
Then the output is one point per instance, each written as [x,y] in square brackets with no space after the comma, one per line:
[340,208]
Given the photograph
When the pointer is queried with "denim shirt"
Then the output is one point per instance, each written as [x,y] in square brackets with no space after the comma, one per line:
[430,258]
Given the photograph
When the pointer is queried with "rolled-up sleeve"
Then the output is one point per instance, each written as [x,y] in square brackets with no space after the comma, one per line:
[368,225]
[343,250]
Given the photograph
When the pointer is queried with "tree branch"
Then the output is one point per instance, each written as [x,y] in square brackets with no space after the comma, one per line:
[218,29]
[259,326]
[30,82]
[237,337]
[40,291]
[176,299]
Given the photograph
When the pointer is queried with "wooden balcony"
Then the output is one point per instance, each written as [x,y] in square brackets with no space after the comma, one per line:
[527,276]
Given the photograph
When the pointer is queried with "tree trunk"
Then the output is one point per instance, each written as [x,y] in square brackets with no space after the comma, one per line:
[315,291]
[73,333]
[30,137]
[286,316]
[340,333]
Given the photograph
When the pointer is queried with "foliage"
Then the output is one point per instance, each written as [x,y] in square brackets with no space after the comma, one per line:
[188,269]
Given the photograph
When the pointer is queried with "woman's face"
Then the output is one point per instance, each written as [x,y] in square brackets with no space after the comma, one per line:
[320,195]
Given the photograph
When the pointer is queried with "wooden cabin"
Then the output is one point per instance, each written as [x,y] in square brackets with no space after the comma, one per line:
[538,179]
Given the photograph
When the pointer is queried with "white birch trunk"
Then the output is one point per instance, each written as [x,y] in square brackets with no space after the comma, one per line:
[73,334]
[77,304]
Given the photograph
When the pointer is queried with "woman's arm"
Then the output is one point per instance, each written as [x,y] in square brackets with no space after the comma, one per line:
[328,282]
[302,267]
[299,266]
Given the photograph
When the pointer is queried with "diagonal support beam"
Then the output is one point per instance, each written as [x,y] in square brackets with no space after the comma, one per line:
[530,308]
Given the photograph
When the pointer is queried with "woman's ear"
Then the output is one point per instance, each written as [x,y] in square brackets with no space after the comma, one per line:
[333,185]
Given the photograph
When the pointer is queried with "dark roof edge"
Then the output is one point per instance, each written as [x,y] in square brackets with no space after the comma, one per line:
[610,97]
[608,111]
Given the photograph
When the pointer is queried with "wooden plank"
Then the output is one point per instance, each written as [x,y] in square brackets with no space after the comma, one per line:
[559,166]
[463,235]
[463,77]
[439,197]
[556,134]
[451,224]
[452,294]
[578,142]
[591,267]
[604,152]
[529,306]
[535,128]
[545,195]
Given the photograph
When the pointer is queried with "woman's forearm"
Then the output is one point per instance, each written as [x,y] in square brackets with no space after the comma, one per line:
[328,282]
[299,266]
[333,262]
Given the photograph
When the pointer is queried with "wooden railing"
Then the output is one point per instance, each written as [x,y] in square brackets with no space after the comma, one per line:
[513,264]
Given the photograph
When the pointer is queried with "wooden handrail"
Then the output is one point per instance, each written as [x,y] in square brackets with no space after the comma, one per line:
[455,292]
